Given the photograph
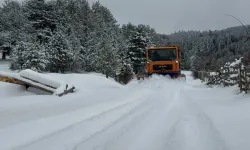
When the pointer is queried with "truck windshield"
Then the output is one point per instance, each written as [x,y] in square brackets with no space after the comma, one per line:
[162,54]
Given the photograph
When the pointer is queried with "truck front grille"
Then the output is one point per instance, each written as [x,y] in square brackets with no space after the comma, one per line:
[165,67]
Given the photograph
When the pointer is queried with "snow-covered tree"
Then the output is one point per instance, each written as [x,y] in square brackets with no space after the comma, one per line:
[124,72]
[35,58]
[18,55]
[42,19]
[28,56]
[101,52]
[128,30]
[108,61]
[59,53]
[137,52]
[12,23]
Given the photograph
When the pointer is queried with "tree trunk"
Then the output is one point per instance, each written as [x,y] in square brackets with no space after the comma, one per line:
[3,55]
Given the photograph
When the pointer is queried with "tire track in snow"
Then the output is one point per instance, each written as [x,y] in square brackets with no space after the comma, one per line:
[194,130]
[22,113]
[55,140]
[166,120]
[38,129]
[184,126]
[88,127]
[146,132]
[159,123]
[111,138]
[139,130]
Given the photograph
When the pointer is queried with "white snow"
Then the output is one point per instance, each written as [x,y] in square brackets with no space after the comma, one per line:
[236,62]
[213,73]
[155,114]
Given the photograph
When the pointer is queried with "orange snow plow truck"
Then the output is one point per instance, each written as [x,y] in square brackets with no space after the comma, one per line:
[164,60]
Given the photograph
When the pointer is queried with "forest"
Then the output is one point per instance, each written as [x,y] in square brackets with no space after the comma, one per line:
[74,36]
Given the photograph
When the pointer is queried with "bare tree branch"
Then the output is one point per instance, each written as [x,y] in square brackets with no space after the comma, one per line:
[240,23]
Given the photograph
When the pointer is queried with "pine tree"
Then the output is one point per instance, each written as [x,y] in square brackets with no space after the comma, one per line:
[59,54]
[42,18]
[12,23]
[29,56]
[18,55]
[197,64]
[137,52]
[35,58]
[128,30]
[108,60]
[124,73]
[101,51]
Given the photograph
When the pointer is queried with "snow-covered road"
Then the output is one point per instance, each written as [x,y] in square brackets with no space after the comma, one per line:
[156,114]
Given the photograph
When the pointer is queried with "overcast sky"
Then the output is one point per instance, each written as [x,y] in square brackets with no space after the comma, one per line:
[167,16]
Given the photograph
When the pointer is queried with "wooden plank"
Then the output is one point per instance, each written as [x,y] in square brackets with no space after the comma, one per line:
[10,80]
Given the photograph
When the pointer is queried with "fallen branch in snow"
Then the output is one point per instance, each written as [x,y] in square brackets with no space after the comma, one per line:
[66,91]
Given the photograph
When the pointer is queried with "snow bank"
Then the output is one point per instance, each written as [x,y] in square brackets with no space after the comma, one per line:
[88,80]
[60,82]
[11,90]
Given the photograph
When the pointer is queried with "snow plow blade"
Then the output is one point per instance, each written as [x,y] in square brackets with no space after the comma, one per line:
[29,78]
[181,77]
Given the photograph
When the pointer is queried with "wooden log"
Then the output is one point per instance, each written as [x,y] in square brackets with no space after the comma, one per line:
[10,80]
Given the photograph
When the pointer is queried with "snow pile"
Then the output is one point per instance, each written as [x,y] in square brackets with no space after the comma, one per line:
[89,80]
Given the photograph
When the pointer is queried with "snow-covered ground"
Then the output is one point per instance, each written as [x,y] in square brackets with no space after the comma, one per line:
[155,114]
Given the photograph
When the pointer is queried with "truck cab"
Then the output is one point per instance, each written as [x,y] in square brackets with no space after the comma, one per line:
[164,60]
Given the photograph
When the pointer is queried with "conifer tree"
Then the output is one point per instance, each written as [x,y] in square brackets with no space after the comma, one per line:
[137,52]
